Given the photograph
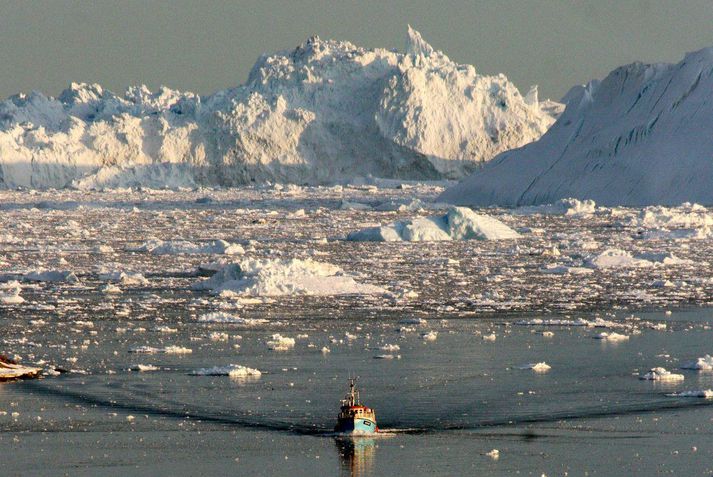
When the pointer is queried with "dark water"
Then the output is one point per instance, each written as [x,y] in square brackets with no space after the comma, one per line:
[444,404]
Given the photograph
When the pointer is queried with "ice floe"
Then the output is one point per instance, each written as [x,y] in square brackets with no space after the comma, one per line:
[123,278]
[10,293]
[275,277]
[704,363]
[611,336]
[222,317]
[232,370]
[661,374]
[173,247]
[540,367]
[42,275]
[459,223]
[165,350]
[142,368]
[569,206]
[277,342]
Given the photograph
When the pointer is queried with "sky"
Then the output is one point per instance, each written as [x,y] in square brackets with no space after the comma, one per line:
[203,46]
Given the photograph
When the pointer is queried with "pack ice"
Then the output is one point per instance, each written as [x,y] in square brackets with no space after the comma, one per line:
[641,136]
[323,112]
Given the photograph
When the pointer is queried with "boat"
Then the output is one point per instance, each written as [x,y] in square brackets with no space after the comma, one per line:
[354,418]
[10,370]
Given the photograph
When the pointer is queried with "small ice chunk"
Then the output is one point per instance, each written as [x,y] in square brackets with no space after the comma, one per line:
[611,336]
[144,368]
[493,454]
[540,367]
[701,364]
[280,343]
[232,370]
[661,374]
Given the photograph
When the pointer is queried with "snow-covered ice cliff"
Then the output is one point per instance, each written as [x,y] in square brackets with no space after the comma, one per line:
[326,111]
[641,136]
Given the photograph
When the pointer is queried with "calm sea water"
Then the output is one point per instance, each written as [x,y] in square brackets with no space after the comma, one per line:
[444,404]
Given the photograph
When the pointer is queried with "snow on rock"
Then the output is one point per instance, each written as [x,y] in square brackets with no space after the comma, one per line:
[639,137]
[232,370]
[325,111]
[661,374]
[459,223]
[702,364]
[276,277]
[177,247]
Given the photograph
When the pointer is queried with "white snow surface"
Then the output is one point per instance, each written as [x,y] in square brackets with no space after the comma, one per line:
[639,137]
[323,112]
[276,277]
[459,223]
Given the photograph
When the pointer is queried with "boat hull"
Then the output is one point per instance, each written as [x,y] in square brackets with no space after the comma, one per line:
[356,425]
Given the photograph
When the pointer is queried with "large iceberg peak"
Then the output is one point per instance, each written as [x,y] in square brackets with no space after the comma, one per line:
[418,47]
[322,112]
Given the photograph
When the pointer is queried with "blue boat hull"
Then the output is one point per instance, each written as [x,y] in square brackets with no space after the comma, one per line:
[355,426]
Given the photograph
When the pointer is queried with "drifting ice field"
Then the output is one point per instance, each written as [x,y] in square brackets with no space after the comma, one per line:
[129,253]
[223,323]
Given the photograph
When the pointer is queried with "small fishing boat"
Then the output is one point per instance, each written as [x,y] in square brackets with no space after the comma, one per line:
[354,417]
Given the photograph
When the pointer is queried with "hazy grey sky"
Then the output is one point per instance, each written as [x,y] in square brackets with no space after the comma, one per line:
[207,45]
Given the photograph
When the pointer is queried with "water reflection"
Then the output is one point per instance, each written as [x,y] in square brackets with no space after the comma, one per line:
[356,455]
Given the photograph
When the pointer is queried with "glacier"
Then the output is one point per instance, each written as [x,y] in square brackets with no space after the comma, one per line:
[325,112]
[642,136]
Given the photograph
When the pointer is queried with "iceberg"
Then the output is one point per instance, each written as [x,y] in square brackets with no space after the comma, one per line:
[459,223]
[280,277]
[322,112]
[641,136]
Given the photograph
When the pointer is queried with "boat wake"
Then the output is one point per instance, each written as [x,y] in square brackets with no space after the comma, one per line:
[108,398]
